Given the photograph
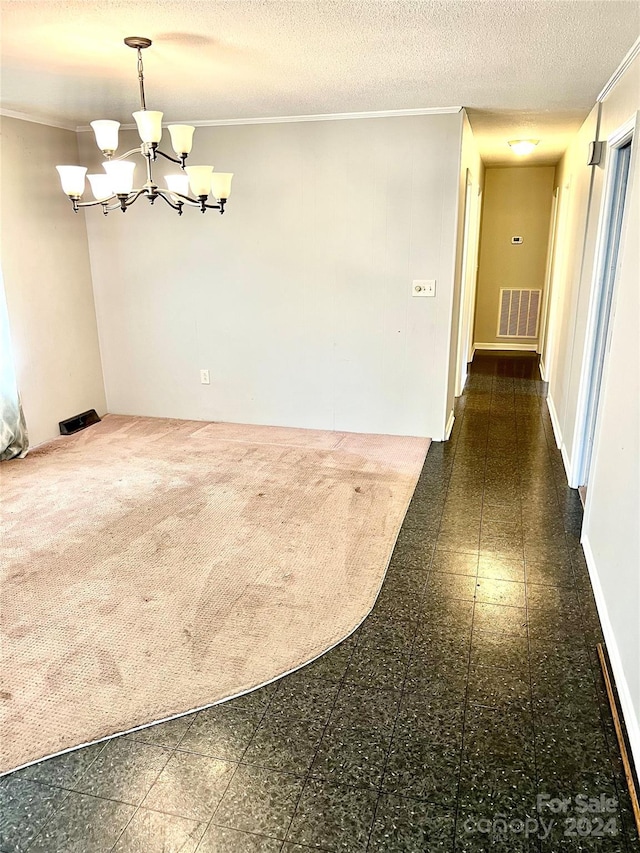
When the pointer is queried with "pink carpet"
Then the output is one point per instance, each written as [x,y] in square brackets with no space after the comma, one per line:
[152,567]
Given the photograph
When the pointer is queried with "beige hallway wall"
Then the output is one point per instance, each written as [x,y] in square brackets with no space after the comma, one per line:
[517,202]
[47,280]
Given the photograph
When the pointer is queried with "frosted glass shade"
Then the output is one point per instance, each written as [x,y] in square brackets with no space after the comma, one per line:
[149,125]
[200,179]
[523,146]
[106,132]
[120,173]
[100,186]
[72,179]
[181,137]
[178,183]
[221,184]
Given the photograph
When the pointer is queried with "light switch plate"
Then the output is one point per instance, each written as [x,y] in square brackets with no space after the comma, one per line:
[423,287]
[204,377]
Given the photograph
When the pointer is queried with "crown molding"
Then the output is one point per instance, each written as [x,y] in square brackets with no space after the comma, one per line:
[632,54]
[225,122]
[48,122]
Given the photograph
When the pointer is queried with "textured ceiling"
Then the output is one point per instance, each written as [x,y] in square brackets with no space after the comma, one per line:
[521,68]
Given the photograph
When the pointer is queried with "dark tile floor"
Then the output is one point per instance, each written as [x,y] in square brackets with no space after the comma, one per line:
[472,688]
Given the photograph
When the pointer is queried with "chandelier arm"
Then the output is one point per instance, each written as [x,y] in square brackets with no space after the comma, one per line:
[183,198]
[104,201]
[179,161]
[133,196]
[129,153]
[165,197]
[219,206]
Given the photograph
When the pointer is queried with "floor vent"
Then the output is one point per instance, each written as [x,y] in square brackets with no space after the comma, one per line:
[79,422]
[519,311]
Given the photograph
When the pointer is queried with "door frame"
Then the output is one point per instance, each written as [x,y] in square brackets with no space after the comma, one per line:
[548,280]
[559,266]
[603,292]
[473,290]
[470,233]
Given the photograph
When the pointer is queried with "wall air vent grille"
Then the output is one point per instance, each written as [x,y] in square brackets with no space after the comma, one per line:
[518,313]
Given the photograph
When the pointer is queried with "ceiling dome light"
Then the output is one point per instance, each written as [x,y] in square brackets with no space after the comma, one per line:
[117,178]
[523,146]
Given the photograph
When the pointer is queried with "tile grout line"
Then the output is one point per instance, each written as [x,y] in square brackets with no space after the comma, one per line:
[173,751]
[238,763]
[379,787]
[465,704]
[529,656]
[139,806]
[380,790]
[307,775]
[69,792]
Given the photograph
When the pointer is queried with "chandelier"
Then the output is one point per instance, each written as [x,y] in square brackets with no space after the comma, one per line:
[113,188]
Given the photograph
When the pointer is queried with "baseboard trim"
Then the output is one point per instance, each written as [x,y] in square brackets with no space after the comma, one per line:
[562,447]
[463,381]
[567,464]
[507,347]
[555,421]
[631,722]
[543,370]
[449,426]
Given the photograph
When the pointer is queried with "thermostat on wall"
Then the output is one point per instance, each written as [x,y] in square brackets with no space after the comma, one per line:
[517,240]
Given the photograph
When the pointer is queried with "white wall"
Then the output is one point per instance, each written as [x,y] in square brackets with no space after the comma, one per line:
[298,300]
[47,280]
[611,529]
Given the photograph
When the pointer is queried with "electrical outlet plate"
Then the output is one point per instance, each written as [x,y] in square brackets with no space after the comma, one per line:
[204,377]
[423,287]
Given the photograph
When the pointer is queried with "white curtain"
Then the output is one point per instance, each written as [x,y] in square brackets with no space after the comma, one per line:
[14,440]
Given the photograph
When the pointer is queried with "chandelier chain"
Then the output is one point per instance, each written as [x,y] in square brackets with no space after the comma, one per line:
[143,104]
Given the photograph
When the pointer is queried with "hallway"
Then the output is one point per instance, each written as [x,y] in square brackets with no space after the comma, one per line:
[472,689]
